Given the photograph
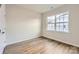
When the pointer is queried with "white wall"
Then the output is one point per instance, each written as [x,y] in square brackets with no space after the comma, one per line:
[22,24]
[2,28]
[73,36]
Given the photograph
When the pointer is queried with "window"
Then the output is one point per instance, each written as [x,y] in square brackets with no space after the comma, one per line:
[59,22]
[51,23]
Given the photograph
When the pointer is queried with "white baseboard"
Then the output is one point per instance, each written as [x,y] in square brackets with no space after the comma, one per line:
[21,40]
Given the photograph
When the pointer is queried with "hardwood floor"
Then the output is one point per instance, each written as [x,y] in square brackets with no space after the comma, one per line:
[40,46]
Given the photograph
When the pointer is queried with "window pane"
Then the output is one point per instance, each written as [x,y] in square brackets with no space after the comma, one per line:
[51,19]
[51,27]
[61,26]
[57,18]
[57,24]
[66,18]
[61,18]
[58,27]
[65,27]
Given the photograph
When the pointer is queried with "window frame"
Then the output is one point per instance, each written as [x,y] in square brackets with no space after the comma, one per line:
[64,14]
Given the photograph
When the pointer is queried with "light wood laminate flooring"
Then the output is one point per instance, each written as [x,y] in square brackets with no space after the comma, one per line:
[40,46]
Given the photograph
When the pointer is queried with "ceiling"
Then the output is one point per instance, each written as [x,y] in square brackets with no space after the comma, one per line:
[41,8]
